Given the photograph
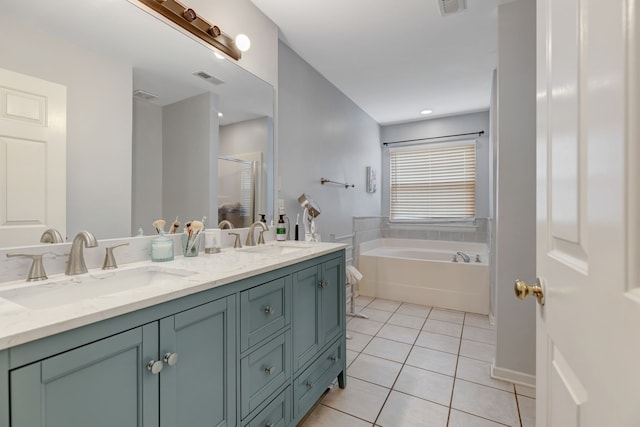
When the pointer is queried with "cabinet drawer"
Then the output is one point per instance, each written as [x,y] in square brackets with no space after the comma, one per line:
[263,371]
[276,414]
[310,385]
[264,310]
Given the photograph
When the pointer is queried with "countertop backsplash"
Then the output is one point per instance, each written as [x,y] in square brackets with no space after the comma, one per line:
[55,256]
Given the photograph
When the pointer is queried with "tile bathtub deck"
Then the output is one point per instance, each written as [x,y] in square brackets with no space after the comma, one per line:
[412,365]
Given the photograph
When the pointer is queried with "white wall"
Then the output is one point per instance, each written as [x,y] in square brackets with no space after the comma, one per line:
[190,159]
[147,166]
[516,186]
[451,125]
[322,133]
[493,187]
[99,125]
[241,16]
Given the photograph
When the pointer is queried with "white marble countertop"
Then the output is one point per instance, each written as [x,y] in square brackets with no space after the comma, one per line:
[19,324]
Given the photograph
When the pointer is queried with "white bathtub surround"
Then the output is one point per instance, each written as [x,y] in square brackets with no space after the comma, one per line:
[422,272]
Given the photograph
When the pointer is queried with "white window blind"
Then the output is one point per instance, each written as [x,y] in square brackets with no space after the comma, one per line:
[430,182]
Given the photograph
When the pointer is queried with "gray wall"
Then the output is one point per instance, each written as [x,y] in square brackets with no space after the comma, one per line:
[190,159]
[147,166]
[252,136]
[99,117]
[249,136]
[516,195]
[322,133]
[451,125]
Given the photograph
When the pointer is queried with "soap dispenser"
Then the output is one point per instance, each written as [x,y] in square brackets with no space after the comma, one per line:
[162,248]
[281,231]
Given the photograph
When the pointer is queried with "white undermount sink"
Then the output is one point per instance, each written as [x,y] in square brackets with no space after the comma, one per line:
[276,249]
[73,289]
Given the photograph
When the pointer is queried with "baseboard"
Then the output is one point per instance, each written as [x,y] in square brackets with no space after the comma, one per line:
[515,377]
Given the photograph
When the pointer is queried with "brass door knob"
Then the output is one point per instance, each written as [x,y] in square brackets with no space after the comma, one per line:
[522,290]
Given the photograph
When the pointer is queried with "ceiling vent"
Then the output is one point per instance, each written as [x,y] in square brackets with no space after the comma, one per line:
[144,95]
[449,7]
[208,77]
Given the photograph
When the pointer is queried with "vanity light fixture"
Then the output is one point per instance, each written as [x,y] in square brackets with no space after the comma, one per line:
[189,20]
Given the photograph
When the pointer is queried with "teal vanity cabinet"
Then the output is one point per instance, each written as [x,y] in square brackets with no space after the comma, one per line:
[256,352]
[100,384]
[178,371]
[199,388]
[318,331]
[265,345]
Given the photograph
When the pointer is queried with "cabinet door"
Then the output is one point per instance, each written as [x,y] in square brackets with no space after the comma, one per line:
[332,300]
[306,316]
[103,384]
[200,388]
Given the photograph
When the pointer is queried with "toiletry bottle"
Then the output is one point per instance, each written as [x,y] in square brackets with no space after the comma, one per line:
[281,231]
[162,248]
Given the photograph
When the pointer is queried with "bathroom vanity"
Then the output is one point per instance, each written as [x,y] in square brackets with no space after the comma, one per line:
[254,343]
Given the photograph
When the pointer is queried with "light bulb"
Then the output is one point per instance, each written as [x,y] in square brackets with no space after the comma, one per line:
[425,112]
[243,42]
[220,114]
[218,55]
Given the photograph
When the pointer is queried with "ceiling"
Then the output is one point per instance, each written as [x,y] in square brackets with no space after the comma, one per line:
[395,58]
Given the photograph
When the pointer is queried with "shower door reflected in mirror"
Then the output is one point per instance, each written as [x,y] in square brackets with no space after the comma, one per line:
[239,188]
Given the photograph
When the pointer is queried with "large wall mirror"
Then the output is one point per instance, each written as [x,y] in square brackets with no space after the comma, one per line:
[123,108]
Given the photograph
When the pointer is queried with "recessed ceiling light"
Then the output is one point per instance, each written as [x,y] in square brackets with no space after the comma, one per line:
[220,114]
[425,112]
[218,55]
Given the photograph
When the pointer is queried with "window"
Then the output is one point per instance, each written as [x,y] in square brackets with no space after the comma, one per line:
[434,181]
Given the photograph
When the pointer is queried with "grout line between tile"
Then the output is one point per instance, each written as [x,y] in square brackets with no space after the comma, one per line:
[346,413]
[481,417]
[517,405]
[404,363]
[455,372]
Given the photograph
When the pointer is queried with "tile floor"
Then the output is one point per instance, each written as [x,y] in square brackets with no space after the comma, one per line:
[411,365]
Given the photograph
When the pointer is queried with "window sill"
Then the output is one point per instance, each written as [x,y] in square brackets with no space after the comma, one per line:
[436,226]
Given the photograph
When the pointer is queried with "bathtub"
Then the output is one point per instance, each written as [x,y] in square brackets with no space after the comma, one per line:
[422,272]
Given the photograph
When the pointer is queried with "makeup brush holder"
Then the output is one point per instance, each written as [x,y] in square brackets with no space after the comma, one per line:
[191,247]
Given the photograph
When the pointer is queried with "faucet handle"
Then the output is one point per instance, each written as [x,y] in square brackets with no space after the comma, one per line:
[37,268]
[237,243]
[51,235]
[109,259]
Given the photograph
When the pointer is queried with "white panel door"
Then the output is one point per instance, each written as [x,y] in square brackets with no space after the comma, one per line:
[588,330]
[33,132]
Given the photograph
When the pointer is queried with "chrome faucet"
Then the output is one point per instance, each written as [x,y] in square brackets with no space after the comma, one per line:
[251,241]
[76,264]
[225,223]
[464,256]
[51,235]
